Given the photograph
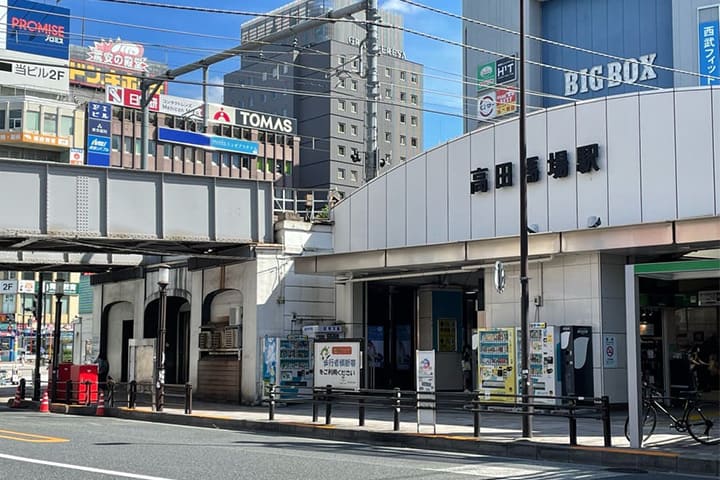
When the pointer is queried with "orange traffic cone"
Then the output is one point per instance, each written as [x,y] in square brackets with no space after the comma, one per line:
[100,410]
[45,403]
[16,402]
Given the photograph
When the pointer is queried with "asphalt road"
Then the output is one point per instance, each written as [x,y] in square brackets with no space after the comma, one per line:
[51,446]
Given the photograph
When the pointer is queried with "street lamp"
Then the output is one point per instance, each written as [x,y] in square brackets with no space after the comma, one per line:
[59,293]
[163,281]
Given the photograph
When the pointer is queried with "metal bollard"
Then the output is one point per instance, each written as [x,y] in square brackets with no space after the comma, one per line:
[361,412]
[271,405]
[607,434]
[396,410]
[573,423]
[132,394]
[188,398]
[22,389]
[315,400]
[328,405]
[476,416]
[68,391]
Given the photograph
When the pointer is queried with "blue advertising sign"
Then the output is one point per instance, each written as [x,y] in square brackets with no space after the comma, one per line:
[99,111]
[97,144]
[709,53]
[98,159]
[38,29]
[99,127]
[211,142]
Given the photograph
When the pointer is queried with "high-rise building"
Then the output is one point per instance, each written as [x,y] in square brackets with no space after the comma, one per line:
[317,77]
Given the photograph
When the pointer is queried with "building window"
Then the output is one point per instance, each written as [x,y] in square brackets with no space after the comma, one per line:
[388,93]
[403,97]
[402,159]
[270,165]
[245,162]
[2,119]
[138,146]
[354,175]
[388,115]
[341,150]
[353,85]
[261,164]
[402,118]
[288,168]
[353,107]
[413,142]
[341,174]
[15,119]
[356,64]
[341,105]
[152,147]
[388,137]
[413,99]
[341,127]
[178,153]
[414,121]
[215,158]
[413,77]
[403,140]
[388,157]
[235,161]
[353,130]
[116,143]
[403,75]
[127,145]
[167,150]
[388,73]
[264,76]
[341,60]
[50,123]
[341,83]
[188,154]
[32,121]
[66,126]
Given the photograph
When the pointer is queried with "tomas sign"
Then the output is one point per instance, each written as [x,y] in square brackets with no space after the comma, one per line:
[37,29]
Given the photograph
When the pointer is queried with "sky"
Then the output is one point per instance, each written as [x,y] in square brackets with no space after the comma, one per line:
[207,33]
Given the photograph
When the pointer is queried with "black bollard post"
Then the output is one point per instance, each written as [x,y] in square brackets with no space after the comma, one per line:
[315,400]
[573,423]
[361,412]
[328,405]
[132,396]
[22,389]
[476,415]
[271,405]
[188,398]
[396,410]
[607,434]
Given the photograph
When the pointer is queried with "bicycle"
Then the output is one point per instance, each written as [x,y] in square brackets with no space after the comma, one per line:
[698,419]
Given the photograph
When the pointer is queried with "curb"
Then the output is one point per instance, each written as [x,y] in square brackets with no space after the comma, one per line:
[610,457]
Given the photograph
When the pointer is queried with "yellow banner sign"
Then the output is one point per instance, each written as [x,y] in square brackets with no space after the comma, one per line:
[35,138]
[96,76]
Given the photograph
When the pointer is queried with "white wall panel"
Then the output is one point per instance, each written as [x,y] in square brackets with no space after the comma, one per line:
[562,192]
[482,205]
[657,157]
[623,161]
[341,229]
[592,187]
[716,156]
[507,199]
[359,219]
[537,202]
[396,206]
[416,206]
[377,213]
[459,189]
[437,195]
[694,137]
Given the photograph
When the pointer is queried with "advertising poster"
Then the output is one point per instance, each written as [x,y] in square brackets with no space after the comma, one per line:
[447,335]
[505,102]
[376,347]
[402,350]
[486,75]
[270,355]
[38,29]
[425,375]
[486,105]
[337,364]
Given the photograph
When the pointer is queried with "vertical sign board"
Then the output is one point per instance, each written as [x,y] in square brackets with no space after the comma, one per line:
[609,351]
[486,76]
[98,134]
[337,364]
[425,386]
[709,55]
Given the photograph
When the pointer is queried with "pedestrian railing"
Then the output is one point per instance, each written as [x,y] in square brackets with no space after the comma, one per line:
[476,404]
[134,394]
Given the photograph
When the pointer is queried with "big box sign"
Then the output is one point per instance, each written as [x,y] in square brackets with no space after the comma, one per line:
[37,29]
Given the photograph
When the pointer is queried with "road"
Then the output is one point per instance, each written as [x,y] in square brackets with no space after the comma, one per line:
[55,447]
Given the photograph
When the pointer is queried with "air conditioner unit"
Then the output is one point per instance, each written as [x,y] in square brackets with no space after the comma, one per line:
[236,314]
[204,340]
[230,338]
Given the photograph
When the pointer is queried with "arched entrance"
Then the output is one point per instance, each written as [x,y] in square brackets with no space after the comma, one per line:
[116,330]
[177,336]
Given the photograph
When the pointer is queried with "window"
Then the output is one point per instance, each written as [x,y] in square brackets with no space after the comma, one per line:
[356,64]
[402,159]
[127,145]
[341,174]
[388,115]
[388,136]
[167,150]
[341,127]
[66,125]
[341,150]
[388,93]
[402,118]
[341,59]
[353,107]
[285,69]
[341,105]
[264,76]
[138,146]
[403,140]
[152,147]
[188,155]
[276,72]
[288,168]
[403,97]
[353,85]
[260,164]
[413,77]
[353,130]
[403,75]
[341,83]
[2,119]
[245,162]
[215,158]
[32,121]
[15,119]
[270,165]
[413,142]
[116,143]
[178,153]
[128,114]
[235,160]
[413,99]
[354,175]
[388,73]
[413,121]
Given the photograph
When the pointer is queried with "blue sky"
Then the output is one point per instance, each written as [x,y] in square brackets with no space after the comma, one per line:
[443,62]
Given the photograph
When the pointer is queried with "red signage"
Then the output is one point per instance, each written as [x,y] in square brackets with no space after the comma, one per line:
[119,54]
[129,97]
[37,27]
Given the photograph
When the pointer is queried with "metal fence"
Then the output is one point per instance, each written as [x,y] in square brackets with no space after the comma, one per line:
[310,204]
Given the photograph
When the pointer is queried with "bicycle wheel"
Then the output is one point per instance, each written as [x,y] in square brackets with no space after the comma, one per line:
[649,419]
[703,423]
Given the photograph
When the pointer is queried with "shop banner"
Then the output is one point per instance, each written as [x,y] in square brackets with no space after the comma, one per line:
[709,60]
[337,364]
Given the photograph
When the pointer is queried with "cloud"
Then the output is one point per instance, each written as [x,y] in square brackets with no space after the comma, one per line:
[215,94]
[398,6]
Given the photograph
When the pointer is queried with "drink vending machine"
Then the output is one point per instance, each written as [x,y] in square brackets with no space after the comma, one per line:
[544,366]
[577,361]
[496,363]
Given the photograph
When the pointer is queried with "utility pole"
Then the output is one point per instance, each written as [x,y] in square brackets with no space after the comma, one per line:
[38,336]
[525,294]
[148,89]
[371,122]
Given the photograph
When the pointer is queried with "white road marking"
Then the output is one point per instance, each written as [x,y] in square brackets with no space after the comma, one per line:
[81,468]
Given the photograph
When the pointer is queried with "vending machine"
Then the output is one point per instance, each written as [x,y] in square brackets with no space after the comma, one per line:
[496,363]
[287,363]
[544,372]
[577,361]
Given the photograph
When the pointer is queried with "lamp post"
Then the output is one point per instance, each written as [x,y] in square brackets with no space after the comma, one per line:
[163,281]
[59,293]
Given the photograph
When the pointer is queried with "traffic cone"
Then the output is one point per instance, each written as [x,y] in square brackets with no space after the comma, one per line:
[100,410]
[45,403]
[16,402]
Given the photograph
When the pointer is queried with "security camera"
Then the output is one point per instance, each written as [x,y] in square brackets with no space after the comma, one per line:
[593,222]
[533,228]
